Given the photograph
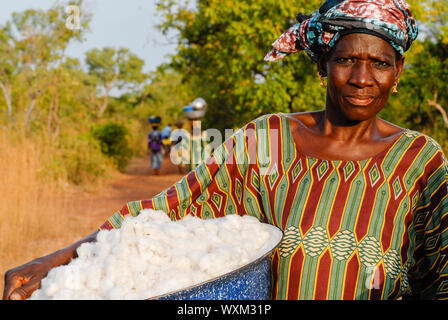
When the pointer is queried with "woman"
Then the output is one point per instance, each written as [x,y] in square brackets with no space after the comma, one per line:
[362,202]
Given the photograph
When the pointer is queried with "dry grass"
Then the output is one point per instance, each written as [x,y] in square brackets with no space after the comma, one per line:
[39,216]
[36,216]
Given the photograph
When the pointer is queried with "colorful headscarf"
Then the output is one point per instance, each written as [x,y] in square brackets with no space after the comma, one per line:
[391,20]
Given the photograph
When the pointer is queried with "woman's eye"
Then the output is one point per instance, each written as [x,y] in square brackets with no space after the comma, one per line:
[381,64]
[345,60]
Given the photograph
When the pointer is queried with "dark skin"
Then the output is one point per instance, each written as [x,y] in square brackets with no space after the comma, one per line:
[22,281]
[361,71]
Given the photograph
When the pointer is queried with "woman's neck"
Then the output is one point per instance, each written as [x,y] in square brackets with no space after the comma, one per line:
[343,130]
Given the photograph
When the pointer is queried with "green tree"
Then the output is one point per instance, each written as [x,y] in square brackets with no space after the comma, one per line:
[422,101]
[166,95]
[222,43]
[221,49]
[115,69]
[31,45]
[423,92]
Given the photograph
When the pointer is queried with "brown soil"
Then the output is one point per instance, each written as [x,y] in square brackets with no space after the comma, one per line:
[137,183]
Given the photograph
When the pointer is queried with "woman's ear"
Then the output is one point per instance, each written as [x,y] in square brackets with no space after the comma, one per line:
[399,67]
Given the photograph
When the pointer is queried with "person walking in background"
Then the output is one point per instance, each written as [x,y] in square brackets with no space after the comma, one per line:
[180,148]
[166,140]
[155,145]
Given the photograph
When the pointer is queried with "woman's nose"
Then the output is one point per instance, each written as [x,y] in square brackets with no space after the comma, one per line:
[361,75]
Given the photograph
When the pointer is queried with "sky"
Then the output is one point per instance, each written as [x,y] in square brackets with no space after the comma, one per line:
[115,23]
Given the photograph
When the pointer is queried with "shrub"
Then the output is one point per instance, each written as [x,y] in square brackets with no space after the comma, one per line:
[113,140]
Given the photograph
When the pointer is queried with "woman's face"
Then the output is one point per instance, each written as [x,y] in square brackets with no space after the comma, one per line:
[361,71]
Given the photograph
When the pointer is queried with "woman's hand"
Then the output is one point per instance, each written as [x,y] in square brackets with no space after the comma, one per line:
[22,281]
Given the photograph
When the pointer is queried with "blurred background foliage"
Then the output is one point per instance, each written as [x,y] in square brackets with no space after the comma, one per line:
[71,107]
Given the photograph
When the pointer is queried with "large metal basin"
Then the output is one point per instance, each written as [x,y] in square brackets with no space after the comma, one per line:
[249,282]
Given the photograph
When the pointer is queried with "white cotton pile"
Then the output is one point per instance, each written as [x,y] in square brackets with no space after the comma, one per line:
[151,255]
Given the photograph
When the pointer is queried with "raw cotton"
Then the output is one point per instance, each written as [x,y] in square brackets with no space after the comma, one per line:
[151,255]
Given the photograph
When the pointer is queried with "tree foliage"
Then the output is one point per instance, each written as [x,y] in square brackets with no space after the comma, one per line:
[221,49]
[221,45]
[58,101]
[114,69]
[32,48]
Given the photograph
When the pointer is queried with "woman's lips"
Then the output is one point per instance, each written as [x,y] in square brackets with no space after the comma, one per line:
[359,100]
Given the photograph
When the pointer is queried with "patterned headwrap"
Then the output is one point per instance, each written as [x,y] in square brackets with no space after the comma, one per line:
[391,20]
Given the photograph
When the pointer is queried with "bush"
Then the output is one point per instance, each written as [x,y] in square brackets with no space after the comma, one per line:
[113,141]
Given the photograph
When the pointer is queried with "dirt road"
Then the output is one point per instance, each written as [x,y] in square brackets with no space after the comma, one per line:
[137,183]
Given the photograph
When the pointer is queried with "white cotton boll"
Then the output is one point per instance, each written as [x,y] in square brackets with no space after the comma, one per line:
[85,250]
[131,295]
[165,286]
[151,255]
[211,227]
[117,293]
[102,236]
[195,256]
[228,236]
[112,236]
[93,279]
[65,294]
[176,230]
[39,295]
[216,262]
[183,262]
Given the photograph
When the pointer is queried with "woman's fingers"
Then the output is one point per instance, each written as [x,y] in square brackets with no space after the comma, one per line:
[18,288]
[12,282]
[25,291]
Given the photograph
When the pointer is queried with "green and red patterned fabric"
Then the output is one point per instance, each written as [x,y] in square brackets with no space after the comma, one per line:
[370,229]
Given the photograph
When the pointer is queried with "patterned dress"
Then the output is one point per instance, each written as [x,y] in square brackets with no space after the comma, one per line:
[370,229]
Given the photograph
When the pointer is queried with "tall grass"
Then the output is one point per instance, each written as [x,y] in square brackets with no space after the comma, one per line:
[37,215]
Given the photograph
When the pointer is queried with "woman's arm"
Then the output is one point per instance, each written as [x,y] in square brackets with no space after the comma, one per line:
[22,281]
[428,276]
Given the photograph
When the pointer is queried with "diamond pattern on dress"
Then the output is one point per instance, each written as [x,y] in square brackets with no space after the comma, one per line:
[397,187]
[217,200]
[273,176]
[349,168]
[255,180]
[374,175]
[392,263]
[315,241]
[238,190]
[432,241]
[370,251]
[343,244]
[342,247]
[291,240]
[443,287]
[297,170]
[322,169]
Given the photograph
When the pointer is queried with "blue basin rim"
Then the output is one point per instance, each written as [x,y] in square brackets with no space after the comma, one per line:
[249,282]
